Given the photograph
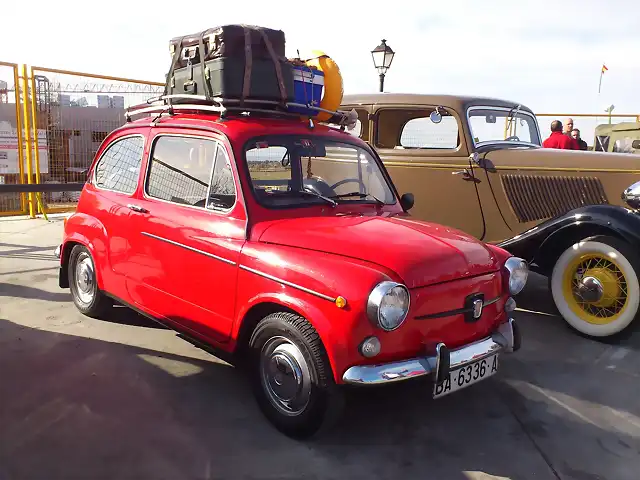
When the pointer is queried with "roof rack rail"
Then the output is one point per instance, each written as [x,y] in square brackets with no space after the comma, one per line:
[223,106]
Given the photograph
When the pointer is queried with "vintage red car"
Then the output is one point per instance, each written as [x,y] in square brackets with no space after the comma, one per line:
[284,245]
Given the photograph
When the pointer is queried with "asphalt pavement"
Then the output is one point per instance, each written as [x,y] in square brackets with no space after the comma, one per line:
[123,398]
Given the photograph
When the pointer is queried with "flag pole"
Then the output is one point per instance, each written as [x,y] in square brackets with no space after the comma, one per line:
[600,83]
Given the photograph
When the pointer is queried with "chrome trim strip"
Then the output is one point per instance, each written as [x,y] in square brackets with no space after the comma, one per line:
[57,251]
[457,311]
[502,340]
[177,244]
[289,284]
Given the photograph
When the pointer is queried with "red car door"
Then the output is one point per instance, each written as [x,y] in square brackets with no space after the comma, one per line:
[190,232]
[107,196]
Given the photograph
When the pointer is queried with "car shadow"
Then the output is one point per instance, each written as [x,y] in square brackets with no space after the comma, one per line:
[123,315]
[31,293]
[85,408]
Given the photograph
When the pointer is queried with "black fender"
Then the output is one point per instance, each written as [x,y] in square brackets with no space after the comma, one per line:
[543,244]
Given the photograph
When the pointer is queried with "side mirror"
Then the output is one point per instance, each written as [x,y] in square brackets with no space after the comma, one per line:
[635,144]
[406,201]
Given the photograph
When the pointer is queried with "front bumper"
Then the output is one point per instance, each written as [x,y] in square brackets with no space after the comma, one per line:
[505,339]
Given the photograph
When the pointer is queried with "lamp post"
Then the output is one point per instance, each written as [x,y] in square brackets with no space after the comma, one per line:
[382,58]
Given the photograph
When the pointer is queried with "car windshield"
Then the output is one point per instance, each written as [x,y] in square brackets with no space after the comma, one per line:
[497,124]
[290,171]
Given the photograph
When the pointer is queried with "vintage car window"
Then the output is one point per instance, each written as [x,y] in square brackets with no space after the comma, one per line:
[423,133]
[180,169]
[410,128]
[223,190]
[119,167]
[289,170]
[496,124]
[602,143]
[624,145]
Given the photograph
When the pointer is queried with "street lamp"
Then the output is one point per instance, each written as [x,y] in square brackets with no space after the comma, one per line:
[382,58]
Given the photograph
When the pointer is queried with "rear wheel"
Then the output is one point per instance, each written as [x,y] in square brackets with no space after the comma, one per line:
[83,284]
[291,376]
[595,286]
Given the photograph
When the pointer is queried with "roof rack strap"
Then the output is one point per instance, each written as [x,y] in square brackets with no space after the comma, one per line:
[248,64]
[276,63]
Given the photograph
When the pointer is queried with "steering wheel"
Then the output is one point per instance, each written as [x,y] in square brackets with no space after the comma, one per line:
[512,137]
[349,180]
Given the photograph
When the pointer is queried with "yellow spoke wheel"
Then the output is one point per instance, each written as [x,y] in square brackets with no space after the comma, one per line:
[595,286]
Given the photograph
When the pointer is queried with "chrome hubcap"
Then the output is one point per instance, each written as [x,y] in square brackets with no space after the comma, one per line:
[285,376]
[84,279]
[591,289]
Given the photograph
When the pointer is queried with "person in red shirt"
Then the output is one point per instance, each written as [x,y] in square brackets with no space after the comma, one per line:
[557,139]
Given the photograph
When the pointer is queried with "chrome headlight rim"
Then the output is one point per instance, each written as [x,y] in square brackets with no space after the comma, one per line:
[513,265]
[375,300]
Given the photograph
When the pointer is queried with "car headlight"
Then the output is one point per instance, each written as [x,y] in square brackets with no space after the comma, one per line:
[388,305]
[518,273]
[631,196]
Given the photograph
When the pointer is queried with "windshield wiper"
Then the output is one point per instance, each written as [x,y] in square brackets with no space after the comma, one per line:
[361,195]
[317,195]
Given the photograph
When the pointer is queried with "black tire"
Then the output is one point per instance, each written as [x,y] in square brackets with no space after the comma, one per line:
[88,299]
[316,411]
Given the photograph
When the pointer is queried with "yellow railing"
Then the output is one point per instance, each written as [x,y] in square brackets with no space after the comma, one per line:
[52,139]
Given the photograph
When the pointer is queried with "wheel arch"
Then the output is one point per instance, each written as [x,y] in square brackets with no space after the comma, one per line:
[266,304]
[65,254]
[555,244]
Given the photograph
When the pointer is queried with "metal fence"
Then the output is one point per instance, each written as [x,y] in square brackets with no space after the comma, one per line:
[12,165]
[52,122]
[51,125]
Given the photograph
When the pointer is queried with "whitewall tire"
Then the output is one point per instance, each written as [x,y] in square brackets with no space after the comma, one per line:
[595,286]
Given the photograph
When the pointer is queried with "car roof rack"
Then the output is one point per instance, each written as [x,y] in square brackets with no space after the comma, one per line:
[226,106]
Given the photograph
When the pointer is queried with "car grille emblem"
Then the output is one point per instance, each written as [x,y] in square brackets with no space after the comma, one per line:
[477,308]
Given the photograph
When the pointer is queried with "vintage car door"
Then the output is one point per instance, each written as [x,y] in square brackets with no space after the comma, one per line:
[425,151]
[191,230]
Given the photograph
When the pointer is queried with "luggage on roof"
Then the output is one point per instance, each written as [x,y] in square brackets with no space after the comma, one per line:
[240,62]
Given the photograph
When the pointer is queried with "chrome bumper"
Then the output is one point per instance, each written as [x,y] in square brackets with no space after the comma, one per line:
[57,251]
[505,339]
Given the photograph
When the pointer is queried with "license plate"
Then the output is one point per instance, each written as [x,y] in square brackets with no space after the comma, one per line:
[468,375]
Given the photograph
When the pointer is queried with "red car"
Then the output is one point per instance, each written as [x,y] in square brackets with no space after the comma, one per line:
[285,245]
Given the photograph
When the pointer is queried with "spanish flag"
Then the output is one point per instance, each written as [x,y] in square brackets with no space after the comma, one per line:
[604,69]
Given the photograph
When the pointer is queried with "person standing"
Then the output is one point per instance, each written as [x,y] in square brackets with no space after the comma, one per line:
[575,134]
[568,126]
[558,139]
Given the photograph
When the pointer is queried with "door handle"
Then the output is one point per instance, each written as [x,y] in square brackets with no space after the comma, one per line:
[137,208]
[466,176]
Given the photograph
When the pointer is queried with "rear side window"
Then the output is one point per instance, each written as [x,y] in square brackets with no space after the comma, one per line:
[119,167]
[191,171]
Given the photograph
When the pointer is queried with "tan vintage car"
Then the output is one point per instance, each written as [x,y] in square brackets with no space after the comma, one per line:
[476,164]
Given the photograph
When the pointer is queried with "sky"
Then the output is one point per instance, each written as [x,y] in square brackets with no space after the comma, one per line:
[546,55]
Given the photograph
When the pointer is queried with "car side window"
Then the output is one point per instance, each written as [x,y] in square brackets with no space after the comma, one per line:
[119,167]
[181,170]
[405,128]
[222,194]
[423,133]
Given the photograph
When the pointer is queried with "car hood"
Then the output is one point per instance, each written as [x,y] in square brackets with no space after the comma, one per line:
[420,253]
[553,157]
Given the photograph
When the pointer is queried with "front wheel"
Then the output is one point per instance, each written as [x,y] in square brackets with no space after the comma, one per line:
[291,376]
[83,283]
[595,286]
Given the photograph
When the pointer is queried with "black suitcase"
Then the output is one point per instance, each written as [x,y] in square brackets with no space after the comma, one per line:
[224,77]
[228,41]
[251,68]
